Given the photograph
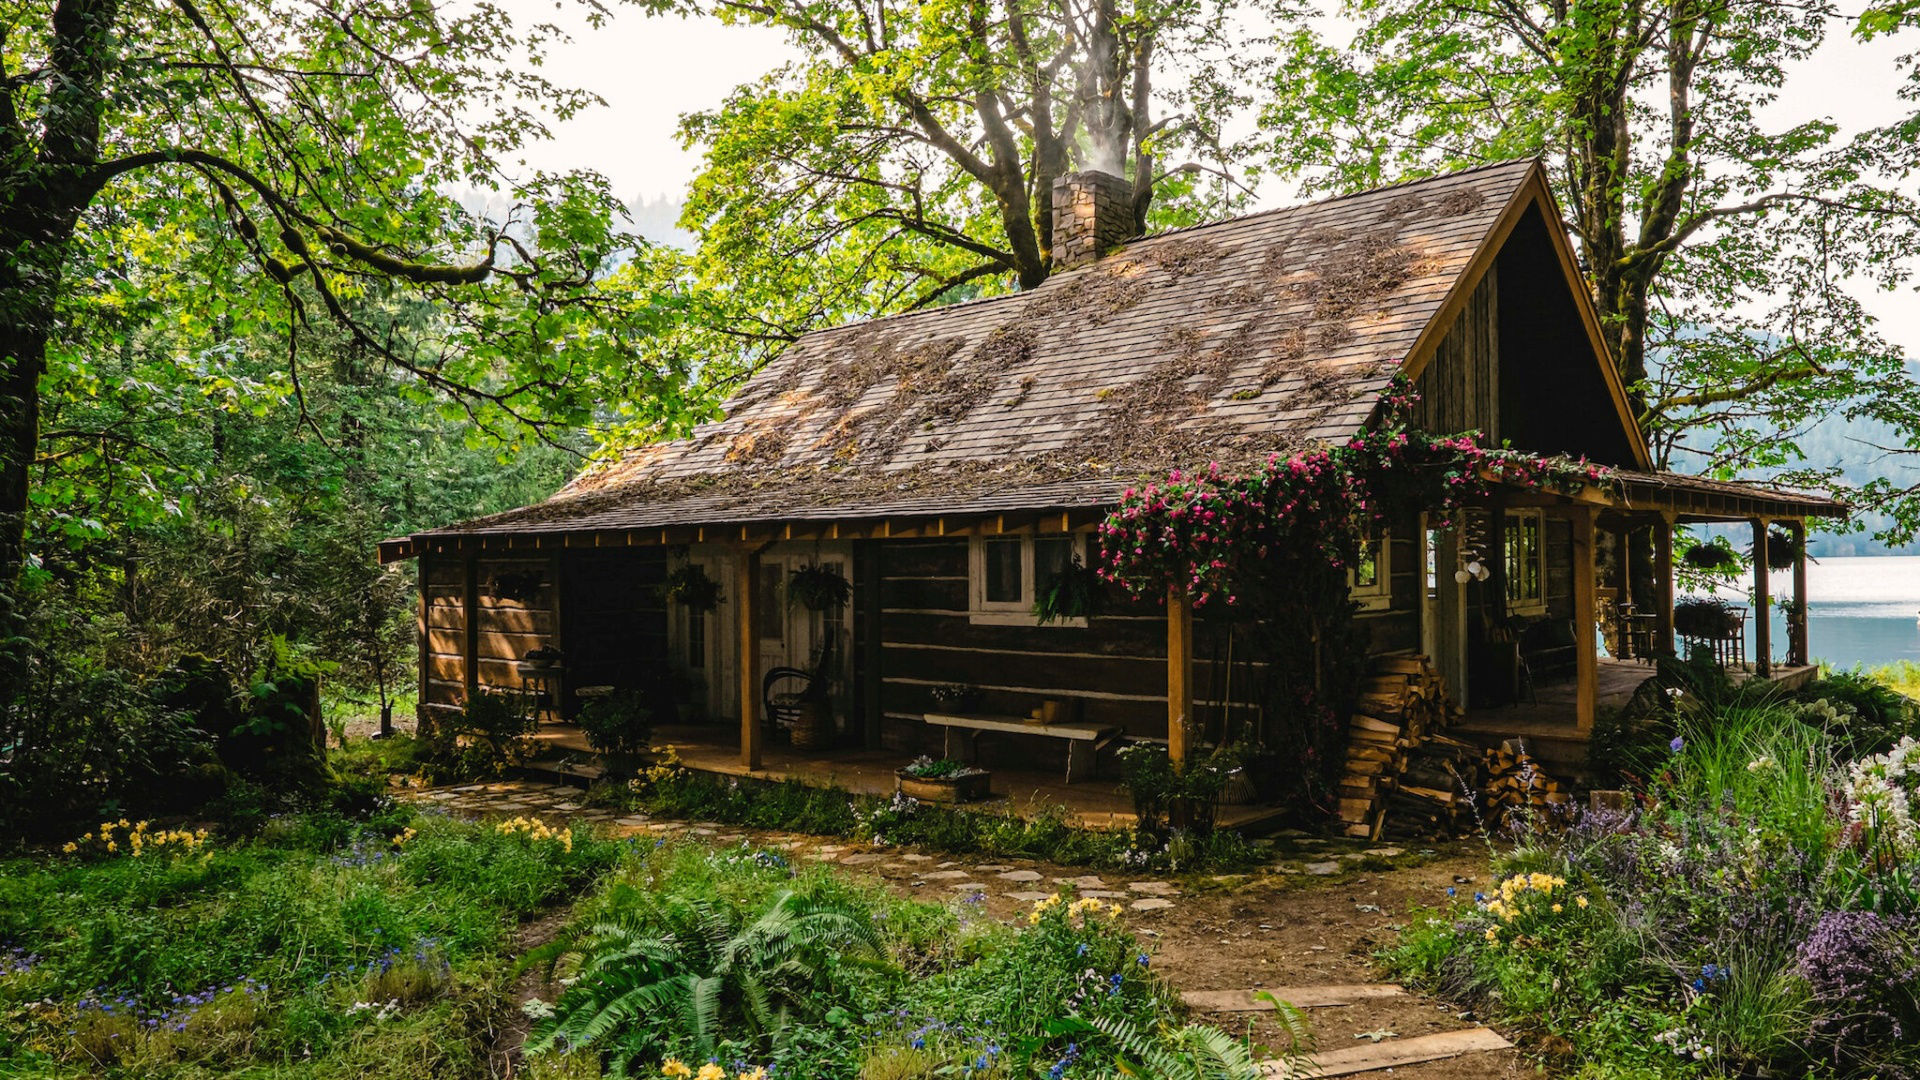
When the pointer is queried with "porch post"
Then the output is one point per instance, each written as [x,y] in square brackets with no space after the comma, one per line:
[1586,661]
[1798,651]
[1762,603]
[1179,673]
[1663,585]
[470,631]
[746,581]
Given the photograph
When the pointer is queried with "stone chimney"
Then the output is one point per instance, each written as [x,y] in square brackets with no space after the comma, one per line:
[1092,215]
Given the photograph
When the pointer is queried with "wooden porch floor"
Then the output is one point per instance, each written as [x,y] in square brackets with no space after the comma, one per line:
[1099,803]
[1547,725]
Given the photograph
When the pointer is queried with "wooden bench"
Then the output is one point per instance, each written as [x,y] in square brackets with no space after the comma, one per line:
[1084,741]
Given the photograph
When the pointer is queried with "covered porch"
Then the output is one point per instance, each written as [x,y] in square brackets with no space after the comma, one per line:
[1579,597]
[1098,802]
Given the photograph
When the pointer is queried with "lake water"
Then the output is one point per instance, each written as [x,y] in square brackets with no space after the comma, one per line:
[1861,609]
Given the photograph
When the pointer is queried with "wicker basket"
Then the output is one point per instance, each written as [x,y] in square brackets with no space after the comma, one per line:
[812,726]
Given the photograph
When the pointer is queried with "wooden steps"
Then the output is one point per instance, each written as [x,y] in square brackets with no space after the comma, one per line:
[1300,997]
[1394,1053]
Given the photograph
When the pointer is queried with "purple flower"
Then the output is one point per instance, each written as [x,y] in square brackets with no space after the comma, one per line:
[1678,744]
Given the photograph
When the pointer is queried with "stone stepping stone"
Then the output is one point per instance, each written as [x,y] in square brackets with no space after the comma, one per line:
[1323,869]
[631,822]
[969,887]
[993,868]
[1151,903]
[1385,852]
[1020,875]
[1101,894]
[1153,888]
[946,875]
[1086,881]
[917,858]
[1300,997]
[1394,1053]
[861,860]
[1028,897]
[702,830]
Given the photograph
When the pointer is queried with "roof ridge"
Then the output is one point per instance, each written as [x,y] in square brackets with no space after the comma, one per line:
[1276,211]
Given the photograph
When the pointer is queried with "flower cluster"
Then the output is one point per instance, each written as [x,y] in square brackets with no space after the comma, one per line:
[666,768]
[675,1069]
[1525,899]
[1879,790]
[1199,532]
[1085,907]
[176,1012]
[136,839]
[535,829]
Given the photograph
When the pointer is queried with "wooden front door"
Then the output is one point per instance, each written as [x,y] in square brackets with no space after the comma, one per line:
[1443,611]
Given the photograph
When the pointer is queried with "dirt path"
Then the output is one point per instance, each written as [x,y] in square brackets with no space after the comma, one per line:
[1312,918]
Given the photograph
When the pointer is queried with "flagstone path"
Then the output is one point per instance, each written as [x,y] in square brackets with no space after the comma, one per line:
[1307,924]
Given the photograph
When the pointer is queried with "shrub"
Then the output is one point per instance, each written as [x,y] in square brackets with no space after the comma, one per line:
[483,739]
[618,726]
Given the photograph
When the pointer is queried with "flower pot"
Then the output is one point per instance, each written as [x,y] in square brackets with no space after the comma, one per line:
[812,726]
[945,789]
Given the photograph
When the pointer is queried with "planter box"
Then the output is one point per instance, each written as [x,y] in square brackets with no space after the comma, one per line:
[945,789]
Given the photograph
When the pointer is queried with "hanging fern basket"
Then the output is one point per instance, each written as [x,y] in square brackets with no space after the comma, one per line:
[818,588]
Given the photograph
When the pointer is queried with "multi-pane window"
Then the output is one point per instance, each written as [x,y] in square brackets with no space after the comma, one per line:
[1008,572]
[1526,557]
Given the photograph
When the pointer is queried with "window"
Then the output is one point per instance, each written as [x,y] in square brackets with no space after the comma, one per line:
[1008,571]
[1369,581]
[1526,562]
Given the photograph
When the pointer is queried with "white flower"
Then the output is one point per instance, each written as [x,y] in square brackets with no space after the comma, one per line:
[1759,763]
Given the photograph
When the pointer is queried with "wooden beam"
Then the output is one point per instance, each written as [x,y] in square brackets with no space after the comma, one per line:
[1663,585]
[1762,602]
[867,673]
[1797,650]
[421,725]
[746,582]
[1179,674]
[1586,661]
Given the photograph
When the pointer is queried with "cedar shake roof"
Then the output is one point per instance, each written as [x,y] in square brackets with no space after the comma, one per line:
[1223,342]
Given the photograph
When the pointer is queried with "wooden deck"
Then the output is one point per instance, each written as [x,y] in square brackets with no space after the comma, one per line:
[1098,803]
[1546,726]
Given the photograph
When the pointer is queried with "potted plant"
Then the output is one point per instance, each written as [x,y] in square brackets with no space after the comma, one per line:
[957,697]
[618,726]
[691,586]
[1705,617]
[1071,593]
[1781,549]
[943,781]
[818,588]
[1166,798]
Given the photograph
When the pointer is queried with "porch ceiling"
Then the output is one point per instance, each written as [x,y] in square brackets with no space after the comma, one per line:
[1698,498]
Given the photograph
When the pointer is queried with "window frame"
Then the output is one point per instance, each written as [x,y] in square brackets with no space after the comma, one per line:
[983,612]
[1377,596]
[1512,529]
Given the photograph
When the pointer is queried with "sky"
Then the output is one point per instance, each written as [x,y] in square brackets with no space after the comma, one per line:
[650,71]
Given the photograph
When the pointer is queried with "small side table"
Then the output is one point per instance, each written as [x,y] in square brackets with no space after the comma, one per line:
[543,682]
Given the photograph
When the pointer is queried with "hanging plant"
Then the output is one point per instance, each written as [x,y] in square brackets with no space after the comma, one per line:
[1072,593]
[1782,549]
[1713,556]
[818,588]
[691,586]
[514,586]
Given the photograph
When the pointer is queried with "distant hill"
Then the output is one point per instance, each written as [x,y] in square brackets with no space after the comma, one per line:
[1853,446]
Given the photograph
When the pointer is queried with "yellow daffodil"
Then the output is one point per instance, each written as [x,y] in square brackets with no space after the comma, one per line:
[70,847]
[675,1068]
[757,1073]
[1556,909]
[710,1071]
[1581,900]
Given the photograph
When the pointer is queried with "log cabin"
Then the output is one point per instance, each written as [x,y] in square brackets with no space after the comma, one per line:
[947,461]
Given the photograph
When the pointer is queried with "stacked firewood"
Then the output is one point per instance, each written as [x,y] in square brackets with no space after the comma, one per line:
[1516,785]
[1405,780]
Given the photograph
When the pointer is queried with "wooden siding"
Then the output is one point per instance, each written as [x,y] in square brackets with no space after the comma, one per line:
[1115,666]
[463,615]
[1460,389]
